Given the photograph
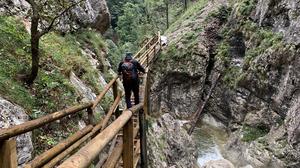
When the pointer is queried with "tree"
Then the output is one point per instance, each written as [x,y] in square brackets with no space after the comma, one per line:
[45,16]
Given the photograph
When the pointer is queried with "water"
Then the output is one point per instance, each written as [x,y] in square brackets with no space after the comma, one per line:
[210,142]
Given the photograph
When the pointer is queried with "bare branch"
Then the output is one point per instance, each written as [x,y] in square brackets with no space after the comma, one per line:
[52,24]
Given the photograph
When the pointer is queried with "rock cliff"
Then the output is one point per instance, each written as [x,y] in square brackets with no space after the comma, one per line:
[90,13]
[254,45]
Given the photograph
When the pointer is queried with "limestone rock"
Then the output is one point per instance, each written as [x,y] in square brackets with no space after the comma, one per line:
[282,15]
[11,114]
[91,13]
[169,144]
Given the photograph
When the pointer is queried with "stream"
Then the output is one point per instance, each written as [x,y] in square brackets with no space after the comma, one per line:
[210,142]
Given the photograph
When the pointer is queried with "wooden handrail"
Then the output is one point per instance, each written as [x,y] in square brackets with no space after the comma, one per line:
[84,157]
[136,56]
[102,94]
[111,111]
[49,154]
[68,151]
[115,156]
[88,153]
[6,133]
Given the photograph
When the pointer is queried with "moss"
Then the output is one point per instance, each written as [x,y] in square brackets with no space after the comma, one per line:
[252,133]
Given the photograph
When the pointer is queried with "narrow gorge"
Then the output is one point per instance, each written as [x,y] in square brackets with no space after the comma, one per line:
[248,49]
[254,46]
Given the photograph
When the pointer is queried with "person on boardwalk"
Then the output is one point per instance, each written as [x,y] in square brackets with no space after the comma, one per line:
[129,69]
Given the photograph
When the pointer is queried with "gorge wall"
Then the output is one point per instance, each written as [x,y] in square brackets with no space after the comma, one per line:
[254,45]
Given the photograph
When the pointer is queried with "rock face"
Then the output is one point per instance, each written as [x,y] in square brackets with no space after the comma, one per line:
[256,50]
[11,114]
[91,13]
[281,15]
[178,147]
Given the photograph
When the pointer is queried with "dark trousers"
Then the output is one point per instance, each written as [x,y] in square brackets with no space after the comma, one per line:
[131,86]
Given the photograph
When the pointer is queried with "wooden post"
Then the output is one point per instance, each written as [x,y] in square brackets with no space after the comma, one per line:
[147,60]
[8,154]
[115,93]
[91,116]
[143,139]
[6,133]
[128,146]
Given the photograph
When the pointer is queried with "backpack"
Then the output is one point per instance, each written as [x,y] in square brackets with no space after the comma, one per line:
[128,71]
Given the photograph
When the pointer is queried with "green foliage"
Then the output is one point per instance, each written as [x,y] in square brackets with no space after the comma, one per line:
[116,9]
[192,11]
[252,133]
[222,14]
[14,54]
[261,39]
[59,55]
[115,54]
[136,20]
[92,39]
[67,56]
[245,7]
[129,22]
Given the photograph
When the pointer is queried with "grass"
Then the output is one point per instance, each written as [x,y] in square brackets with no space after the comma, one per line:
[14,53]
[245,7]
[192,11]
[70,58]
[93,39]
[52,90]
[59,56]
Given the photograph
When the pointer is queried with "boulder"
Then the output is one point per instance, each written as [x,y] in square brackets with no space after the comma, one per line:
[218,164]
[11,114]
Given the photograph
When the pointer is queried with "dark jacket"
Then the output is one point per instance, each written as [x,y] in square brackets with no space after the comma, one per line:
[136,67]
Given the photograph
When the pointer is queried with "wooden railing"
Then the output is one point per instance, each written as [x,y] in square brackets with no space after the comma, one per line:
[97,134]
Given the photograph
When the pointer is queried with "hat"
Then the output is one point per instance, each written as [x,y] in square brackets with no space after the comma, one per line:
[128,56]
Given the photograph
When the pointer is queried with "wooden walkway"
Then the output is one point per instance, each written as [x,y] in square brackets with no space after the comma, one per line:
[125,136]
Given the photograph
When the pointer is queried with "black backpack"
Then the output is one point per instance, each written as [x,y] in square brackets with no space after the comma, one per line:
[128,71]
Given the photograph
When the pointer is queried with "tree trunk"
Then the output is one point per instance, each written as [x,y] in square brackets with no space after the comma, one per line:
[167,13]
[35,40]
[34,60]
[185,4]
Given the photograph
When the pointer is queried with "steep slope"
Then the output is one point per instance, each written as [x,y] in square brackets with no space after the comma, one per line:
[73,69]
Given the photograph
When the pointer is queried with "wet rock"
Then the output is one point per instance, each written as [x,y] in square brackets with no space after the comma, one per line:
[11,114]
[218,164]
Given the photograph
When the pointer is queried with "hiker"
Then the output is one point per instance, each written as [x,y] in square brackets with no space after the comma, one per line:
[129,69]
[164,40]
